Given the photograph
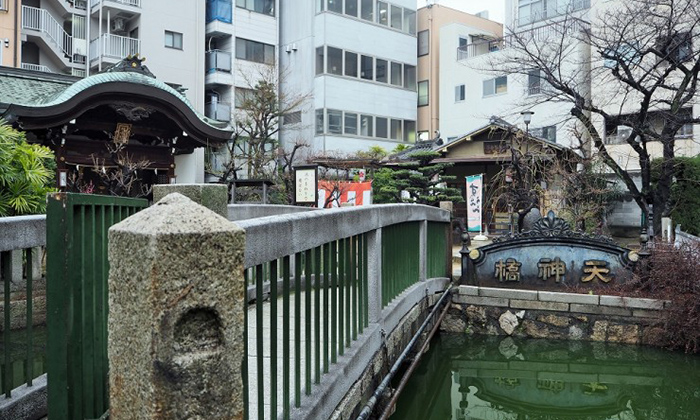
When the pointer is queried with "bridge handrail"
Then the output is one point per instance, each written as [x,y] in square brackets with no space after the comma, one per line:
[21,235]
[272,237]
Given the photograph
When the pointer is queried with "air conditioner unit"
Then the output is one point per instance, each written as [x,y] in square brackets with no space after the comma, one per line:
[118,25]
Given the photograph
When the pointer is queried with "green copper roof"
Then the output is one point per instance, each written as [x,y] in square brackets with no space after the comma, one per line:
[29,88]
[34,90]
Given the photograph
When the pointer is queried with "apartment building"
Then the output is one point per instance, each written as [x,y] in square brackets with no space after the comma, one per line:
[241,49]
[441,30]
[354,61]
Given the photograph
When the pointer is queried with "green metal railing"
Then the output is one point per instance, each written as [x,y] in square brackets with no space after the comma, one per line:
[438,250]
[400,259]
[320,297]
[23,357]
[77,272]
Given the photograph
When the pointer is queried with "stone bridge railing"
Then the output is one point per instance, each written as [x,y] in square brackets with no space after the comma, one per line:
[325,291]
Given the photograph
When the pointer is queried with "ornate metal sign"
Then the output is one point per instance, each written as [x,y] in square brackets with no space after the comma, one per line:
[551,256]
[122,133]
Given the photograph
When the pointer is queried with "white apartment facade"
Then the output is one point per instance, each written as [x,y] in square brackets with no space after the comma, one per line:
[354,61]
[466,65]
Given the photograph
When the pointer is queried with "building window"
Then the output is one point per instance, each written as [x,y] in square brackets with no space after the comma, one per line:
[350,123]
[266,7]
[367,126]
[396,73]
[423,93]
[241,96]
[382,127]
[530,11]
[396,129]
[383,13]
[423,43]
[409,131]
[335,60]
[534,85]
[350,64]
[548,133]
[676,48]
[335,121]
[335,6]
[495,86]
[319,121]
[319,60]
[255,51]
[460,93]
[409,21]
[463,42]
[292,118]
[625,53]
[396,17]
[685,131]
[367,67]
[351,7]
[381,70]
[367,12]
[409,77]
[173,40]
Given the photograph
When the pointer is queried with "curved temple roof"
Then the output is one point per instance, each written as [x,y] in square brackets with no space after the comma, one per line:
[43,101]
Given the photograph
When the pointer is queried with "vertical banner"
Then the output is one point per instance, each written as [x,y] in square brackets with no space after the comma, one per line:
[474,194]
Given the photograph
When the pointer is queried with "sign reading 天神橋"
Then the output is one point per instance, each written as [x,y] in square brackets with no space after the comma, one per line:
[549,257]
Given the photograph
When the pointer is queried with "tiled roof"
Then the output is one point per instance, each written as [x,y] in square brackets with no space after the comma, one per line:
[29,88]
[39,90]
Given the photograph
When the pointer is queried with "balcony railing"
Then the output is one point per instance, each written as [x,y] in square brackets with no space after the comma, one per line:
[36,67]
[77,72]
[220,111]
[133,3]
[549,32]
[41,20]
[480,48]
[218,61]
[552,12]
[114,46]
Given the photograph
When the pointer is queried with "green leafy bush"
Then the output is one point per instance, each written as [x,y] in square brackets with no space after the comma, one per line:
[26,174]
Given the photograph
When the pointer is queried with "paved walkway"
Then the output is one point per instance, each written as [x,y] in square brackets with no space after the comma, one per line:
[267,375]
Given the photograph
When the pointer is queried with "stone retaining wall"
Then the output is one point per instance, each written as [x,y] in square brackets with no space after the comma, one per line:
[539,314]
[382,361]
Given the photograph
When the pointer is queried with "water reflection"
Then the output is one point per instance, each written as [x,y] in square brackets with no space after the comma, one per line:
[484,377]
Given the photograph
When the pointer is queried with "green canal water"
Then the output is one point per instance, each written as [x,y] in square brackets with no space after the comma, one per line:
[18,355]
[484,377]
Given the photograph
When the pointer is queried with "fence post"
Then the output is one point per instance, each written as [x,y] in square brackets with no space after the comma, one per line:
[176,314]
[374,274]
[423,250]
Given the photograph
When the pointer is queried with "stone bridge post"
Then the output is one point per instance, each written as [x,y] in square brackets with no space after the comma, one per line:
[176,308]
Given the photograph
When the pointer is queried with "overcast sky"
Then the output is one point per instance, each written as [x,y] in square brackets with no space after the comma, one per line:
[496,8]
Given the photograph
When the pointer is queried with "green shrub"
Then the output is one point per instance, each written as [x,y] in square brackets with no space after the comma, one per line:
[26,174]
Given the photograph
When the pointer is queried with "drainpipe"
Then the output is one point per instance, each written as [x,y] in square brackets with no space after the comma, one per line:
[376,397]
[17,31]
[100,41]
[88,25]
